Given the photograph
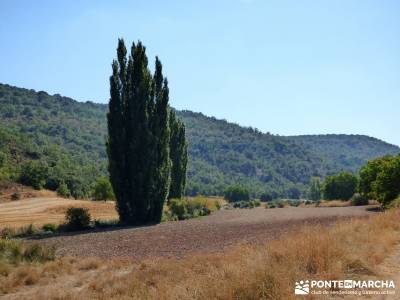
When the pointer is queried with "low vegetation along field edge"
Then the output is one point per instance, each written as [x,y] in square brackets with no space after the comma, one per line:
[349,250]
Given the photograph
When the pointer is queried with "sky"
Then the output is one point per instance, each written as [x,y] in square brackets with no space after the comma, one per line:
[284,67]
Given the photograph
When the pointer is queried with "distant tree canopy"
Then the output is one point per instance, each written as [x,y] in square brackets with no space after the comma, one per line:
[139,138]
[69,136]
[236,193]
[314,192]
[380,179]
[341,186]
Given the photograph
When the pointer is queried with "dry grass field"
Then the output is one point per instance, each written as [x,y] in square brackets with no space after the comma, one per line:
[356,248]
[39,211]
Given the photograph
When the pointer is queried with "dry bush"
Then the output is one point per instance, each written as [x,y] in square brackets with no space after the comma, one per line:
[334,203]
[347,250]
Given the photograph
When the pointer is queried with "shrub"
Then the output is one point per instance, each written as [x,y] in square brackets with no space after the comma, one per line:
[63,190]
[178,208]
[16,196]
[358,200]
[7,233]
[103,190]
[14,252]
[246,204]
[280,204]
[395,203]
[340,187]
[77,218]
[105,223]
[293,203]
[182,209]
[236,193]
[49,227]
[266,197]
[34,173]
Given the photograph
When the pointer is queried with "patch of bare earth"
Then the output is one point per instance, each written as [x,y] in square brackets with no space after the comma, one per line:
[209,234]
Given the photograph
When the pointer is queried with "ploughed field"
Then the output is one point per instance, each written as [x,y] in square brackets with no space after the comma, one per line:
[213,233]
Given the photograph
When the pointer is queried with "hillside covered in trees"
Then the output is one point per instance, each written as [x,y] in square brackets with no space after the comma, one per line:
[67,139]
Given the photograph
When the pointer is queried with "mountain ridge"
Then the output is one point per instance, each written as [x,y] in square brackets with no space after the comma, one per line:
[220,152]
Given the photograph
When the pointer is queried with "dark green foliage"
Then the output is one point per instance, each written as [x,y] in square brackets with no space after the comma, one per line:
[63,190]
[69,136]
[358,200]
[103,190]
[266,196]
[138,137]
[49,227]
[246,204]
[340,187]
[314,192]
[66,135]
[34,173]
[179,158]
[380,179]
[345,152]
[236,193]
[106,223]
[77,218]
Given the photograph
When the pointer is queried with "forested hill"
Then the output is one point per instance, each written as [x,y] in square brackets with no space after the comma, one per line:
[68,138]
[347,152]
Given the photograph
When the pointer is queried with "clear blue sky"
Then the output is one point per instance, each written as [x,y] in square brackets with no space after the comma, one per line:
[287,67]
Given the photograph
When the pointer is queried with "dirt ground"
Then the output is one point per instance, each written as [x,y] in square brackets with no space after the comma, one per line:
[213,233]
[39,211]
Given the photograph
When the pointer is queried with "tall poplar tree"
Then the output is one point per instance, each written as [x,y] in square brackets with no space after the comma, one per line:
[178,148]
[138,136]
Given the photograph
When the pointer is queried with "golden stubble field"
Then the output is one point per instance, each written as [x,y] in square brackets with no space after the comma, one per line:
[39,211]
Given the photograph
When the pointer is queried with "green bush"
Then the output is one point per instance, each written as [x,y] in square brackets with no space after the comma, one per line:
[178,208]
[246,204]
[103,190]
[395,203]
[236,193]
[293,203]
[49,227]
[63,190]
[359,200]
[105,223]
[34,173]
[266,196]
[280,204]
[340,187]
[181,209]
[77,218]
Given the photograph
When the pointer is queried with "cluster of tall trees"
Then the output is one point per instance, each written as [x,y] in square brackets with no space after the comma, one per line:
[380,179]
[146,144]
[341,186]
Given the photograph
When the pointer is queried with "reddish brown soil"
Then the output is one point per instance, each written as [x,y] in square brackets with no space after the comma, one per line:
[208,234]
